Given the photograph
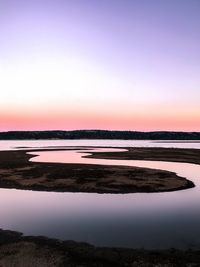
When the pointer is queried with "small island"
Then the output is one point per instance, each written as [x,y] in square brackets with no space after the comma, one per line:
[18,172]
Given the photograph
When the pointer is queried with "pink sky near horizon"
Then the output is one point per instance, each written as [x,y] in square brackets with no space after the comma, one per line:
[98,120]
[117,65]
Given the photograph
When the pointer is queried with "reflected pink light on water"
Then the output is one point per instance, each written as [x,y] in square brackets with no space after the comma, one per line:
[150,220]
[80,156]
[74,156]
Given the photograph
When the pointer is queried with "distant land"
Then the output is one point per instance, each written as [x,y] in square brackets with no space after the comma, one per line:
[99,134]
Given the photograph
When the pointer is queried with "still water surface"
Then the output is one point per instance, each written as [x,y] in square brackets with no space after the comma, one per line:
[149,220]
[15,144]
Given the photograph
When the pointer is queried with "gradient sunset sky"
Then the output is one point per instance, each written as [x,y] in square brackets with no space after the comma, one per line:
[100,64]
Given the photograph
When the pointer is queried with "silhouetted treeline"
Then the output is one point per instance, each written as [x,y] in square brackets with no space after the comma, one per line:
[99,134]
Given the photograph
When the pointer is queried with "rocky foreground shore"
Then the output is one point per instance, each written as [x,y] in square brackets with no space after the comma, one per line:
[17,250]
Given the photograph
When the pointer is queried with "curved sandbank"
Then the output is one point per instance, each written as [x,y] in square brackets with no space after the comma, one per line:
[16,171]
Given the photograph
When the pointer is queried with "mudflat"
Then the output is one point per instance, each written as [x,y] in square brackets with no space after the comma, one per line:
[186,155]
[16,171]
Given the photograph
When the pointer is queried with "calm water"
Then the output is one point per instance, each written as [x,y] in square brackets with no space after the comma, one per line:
[15,144]
[149,220]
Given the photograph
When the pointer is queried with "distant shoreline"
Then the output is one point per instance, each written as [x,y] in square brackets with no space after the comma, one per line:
[100,135]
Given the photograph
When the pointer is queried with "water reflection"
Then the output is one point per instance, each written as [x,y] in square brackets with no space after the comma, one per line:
[16,144]
[155,220]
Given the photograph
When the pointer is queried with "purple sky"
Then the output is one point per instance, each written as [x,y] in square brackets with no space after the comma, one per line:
[100,64]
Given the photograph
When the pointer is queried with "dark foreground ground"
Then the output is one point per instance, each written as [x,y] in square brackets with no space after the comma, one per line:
[17,250]
[26,251]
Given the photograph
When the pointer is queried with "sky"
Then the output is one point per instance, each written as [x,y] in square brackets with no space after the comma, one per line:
[109,64]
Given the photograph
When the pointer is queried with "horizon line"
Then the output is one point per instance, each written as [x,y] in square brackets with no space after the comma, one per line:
[58,130]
